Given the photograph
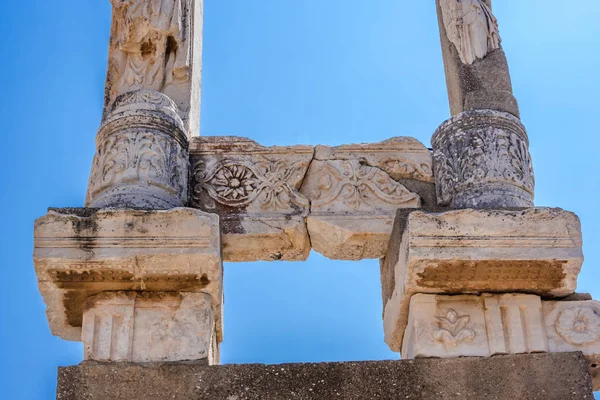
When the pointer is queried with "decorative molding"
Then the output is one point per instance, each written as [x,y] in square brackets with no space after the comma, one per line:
[578,326]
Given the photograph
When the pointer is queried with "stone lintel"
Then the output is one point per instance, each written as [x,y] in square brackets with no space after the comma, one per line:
[560,376]
[536,251]
[79,253]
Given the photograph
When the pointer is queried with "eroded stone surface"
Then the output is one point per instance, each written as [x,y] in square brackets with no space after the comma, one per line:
[158,46]
[149,327]
[467,325]
[575,326]
[355,190]
[561,376]
[79,253]
[255,189]
[535,251]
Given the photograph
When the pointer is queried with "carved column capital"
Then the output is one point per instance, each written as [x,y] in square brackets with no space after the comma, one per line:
[481,160]
[142,157]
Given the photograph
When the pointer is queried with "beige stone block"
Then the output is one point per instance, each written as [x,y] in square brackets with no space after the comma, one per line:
[79,253]
[255,190]
[535,251]
[575,326]
[468,325]
[445,326]
[149,327]
[355,190]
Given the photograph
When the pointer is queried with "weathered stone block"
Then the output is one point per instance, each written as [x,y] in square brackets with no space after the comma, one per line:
[561,376]
[255,191]
[79,253]
[467,325]
[149,327]
[355,190]
[575,326]
[535,251]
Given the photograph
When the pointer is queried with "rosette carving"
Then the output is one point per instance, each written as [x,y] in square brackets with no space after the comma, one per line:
[578,326]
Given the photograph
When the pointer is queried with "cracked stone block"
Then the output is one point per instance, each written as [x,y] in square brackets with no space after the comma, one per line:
[255,191]
[575,326]
[149,327]
[79,253]
[536,251]
[355,190]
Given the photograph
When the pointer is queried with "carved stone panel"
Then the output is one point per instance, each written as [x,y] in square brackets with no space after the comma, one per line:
[445,326]
[355,191]
[255,191]
[148,327]
[575,326]
[481,160]
[536,251]
[157,45]
[79,253]
[141,159]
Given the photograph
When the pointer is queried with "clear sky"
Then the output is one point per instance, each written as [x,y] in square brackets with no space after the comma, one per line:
[279,72]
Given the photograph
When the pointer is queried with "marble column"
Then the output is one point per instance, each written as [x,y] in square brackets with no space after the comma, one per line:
[152,105]
[481,154]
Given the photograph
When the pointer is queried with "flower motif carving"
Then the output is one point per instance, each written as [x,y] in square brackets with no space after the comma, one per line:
[237,183]
[409,168]
[578,326]
[452,329]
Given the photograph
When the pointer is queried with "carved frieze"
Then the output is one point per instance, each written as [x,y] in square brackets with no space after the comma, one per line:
[471,27]
[453,329]
[141,158]
[481,160]
[255,191]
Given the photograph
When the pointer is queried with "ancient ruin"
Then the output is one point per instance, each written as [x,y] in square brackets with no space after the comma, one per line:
[469,266]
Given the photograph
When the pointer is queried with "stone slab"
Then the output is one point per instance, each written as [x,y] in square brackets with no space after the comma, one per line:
[536,251]
[149,327]
[79,253]
[560,376]
[255,191]
[355,190]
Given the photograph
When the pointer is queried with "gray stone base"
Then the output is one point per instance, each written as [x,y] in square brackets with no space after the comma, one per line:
[559,376]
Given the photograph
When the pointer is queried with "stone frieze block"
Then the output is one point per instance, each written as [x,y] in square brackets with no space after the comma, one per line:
[255,191]
[476,326]
[79,253]
[149,327]
[355,190]
[575,326]
[536,251]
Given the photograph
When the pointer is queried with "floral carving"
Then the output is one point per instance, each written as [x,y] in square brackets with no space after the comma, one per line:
[479,148]
[578,326]
[408,168]
[239,183]
[452,329]
[359,187]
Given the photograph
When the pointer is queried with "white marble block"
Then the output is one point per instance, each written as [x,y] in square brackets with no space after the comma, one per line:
[79,253]
[149,327]
[575,326]
[255,191]
[537,251]
[355,190]
[468,325]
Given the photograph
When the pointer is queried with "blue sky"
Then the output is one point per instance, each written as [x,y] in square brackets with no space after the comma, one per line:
[279,72]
